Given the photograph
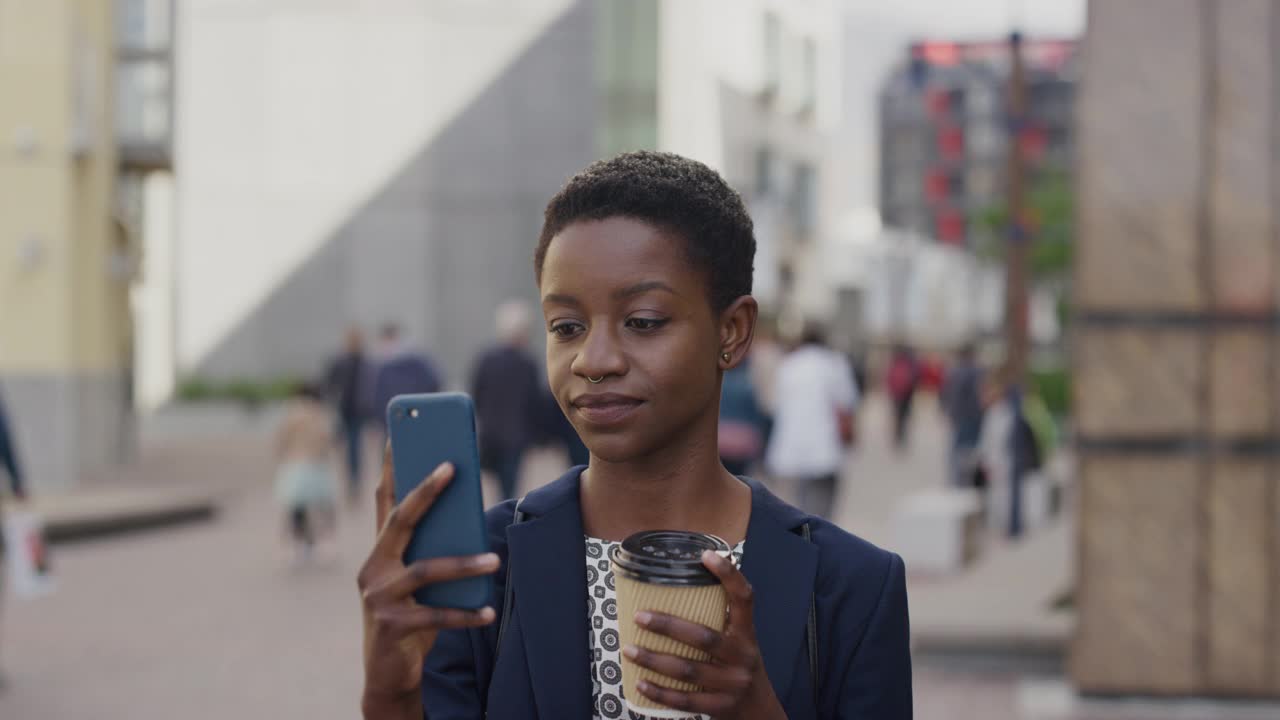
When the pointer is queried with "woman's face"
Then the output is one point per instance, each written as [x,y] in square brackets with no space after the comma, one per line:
[623,305]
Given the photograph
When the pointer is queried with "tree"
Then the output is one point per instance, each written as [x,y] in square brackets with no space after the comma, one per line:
[1050,220]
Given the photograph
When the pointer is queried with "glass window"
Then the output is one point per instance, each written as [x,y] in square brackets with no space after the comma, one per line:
[772,52]
[804,200]
[143,24]
[764,170]
[809,70]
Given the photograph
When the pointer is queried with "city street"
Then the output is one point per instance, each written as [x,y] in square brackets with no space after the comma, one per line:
[208,621]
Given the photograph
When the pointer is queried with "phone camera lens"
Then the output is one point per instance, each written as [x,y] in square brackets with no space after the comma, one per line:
[414,413]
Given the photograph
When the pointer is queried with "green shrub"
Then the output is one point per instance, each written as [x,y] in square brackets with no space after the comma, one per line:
[1054,387]
[250,392]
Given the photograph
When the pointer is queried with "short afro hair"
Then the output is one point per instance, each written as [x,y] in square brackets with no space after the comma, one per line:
[674,194]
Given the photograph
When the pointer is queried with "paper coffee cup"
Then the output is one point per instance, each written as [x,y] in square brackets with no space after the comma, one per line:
[662,571]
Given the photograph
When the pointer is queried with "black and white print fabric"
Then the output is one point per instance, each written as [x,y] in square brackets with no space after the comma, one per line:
[606,646]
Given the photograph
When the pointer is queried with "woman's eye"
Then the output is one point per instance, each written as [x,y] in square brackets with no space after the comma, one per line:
[565,329]
[645,324]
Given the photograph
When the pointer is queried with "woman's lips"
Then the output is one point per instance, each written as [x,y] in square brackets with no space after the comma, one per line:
[605,408]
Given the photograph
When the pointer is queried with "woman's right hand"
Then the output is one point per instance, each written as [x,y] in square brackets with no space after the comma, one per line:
[398,632]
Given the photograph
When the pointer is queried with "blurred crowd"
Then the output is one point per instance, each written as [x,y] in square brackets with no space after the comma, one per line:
[789,414]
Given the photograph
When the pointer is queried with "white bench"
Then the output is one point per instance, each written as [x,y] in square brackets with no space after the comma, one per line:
[938,530]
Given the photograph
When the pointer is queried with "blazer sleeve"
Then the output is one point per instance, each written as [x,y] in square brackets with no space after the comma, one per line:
[457,671]
[877,683]
[450,688]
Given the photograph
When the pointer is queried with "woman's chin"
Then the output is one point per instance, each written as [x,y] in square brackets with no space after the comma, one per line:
[613,448]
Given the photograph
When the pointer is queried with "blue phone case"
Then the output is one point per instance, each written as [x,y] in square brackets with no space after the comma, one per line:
[425,431]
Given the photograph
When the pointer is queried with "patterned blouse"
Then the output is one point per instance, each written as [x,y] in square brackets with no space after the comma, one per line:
[606,647]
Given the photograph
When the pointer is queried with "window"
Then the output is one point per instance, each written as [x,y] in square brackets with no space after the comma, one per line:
[763,171]
[772,53]
[143,24]
[804,200]
[809,74]
[144,81]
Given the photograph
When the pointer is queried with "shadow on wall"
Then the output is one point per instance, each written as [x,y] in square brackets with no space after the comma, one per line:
[450,236]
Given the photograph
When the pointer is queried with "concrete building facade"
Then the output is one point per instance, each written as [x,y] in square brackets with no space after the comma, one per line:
[350,162]
[66,261]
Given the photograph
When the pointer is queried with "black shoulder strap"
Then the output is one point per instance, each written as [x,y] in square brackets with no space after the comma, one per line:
[516,518]
[811,630]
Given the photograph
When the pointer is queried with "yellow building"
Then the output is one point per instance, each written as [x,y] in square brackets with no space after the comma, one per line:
[66,260]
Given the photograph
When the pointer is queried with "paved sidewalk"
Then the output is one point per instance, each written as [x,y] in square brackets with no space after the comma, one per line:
[184,480]
[999,605]
[210,620]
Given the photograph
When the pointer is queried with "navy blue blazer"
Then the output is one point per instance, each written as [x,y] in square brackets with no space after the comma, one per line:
[543,668]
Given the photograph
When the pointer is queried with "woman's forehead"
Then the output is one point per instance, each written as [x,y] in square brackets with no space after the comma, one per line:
[617,256]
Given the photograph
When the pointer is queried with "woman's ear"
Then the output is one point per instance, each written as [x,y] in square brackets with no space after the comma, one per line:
[737,326]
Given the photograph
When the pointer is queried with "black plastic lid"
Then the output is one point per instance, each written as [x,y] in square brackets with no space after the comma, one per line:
[668,557]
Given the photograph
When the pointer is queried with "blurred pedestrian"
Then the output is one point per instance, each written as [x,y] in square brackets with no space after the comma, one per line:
[816,401]
[305,482]
[902,381]
[9,456]
[507,387]
[743,425]
[400,370]
[562,431]
[9,465]
[766,355]
[962,403]
[1008,451]
[346,380]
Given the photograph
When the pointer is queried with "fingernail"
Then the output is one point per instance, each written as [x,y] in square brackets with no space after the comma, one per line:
[631,651]
[443,468]
[486,560]
[644,618]
[486,614]
[643,686]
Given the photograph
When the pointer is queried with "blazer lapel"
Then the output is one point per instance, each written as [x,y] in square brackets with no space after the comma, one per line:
[550,585]
[781,567]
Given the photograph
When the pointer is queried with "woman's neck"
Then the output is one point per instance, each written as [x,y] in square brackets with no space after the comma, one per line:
[684,487]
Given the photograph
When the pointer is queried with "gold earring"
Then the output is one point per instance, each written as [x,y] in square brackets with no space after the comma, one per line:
[726,356]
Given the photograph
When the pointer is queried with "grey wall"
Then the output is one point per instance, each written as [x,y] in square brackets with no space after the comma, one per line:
[451,235]
[65,424]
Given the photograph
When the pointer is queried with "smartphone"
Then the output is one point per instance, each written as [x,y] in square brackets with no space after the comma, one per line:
[425,431]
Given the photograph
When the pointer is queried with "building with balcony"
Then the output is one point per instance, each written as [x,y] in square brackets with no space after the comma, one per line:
[67,256]
[945,133]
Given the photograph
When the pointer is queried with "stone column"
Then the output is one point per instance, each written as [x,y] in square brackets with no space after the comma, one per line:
[1175,350]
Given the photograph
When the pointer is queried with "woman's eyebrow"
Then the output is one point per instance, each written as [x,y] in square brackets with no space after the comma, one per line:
[641,288]
[559,299]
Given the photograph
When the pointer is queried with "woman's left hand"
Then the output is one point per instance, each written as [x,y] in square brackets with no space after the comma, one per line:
[734,683]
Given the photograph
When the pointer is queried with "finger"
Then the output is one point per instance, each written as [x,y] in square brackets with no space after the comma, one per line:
[384,496]
[404,517]
[428,572]
[713,704]
[736,587]
[405,619]
[716,644]
[709,677]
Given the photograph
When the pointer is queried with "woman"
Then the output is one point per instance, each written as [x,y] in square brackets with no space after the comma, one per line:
[644,266]
[304,472]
